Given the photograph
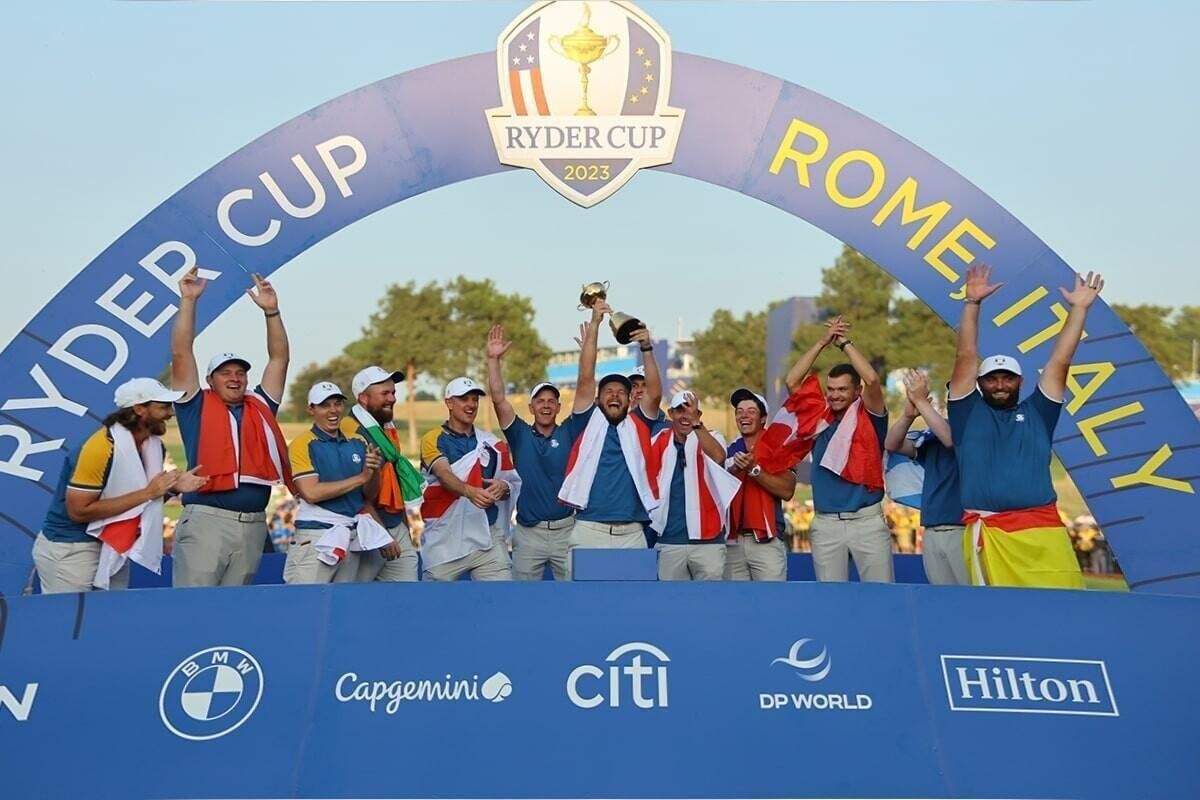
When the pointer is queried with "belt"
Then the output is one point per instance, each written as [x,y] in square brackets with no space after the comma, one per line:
[753,537]
[865,511]
[240,516]
[554,524]
[611,525]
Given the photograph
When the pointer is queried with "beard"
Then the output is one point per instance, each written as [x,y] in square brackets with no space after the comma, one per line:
[1002,403]
[614,417]
[157,428]
[383,414]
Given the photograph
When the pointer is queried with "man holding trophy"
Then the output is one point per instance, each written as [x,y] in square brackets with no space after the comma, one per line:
[608,479]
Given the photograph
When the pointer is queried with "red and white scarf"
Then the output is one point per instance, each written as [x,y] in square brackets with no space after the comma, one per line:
[253,454]
[708,489]
[642,452]
[454,526]
[135,534]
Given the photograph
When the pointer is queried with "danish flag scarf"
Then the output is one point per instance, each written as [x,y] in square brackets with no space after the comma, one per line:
[135,534]
[643,457]
[708,489]
[230,457]
[454,526]
[853,452]
[358,533]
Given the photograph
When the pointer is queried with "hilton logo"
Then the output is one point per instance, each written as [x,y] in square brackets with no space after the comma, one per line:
[584,90]
[1028,685]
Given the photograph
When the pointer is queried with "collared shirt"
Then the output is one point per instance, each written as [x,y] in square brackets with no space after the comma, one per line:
[247,497]
[330,458]
[445,442]
[676,530]
[541,461]
[739,446]
[86,469]
[1004,454]
[940,501]
[614,496]
[831,493]
[350,428]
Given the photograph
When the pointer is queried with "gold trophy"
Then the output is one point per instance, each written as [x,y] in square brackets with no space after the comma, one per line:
[623,325]
[584,46]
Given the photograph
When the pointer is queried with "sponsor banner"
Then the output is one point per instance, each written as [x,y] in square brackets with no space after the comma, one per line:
[876,691]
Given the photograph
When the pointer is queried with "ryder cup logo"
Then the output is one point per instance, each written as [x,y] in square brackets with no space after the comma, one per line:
[585,90]
[210,693]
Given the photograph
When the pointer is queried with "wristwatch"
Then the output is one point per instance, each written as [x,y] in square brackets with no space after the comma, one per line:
[845,344]
[755,471]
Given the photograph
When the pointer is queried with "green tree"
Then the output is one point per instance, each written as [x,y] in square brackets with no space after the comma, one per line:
[921,339]
[731,352]
[858,289]
[1150,324]
[1187,331]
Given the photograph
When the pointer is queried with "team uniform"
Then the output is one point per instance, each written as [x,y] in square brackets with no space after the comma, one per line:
[1014,536]
[65,555]
[755,551]
[329,458]
[941,513]
[460,538]
[609,487]
[221,532]
[849,516]
[544,525]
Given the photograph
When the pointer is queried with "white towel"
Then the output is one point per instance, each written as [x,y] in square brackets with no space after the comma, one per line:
[359,533]
[131,471]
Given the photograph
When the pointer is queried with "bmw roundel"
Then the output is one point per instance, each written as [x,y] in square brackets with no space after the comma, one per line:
[211,693]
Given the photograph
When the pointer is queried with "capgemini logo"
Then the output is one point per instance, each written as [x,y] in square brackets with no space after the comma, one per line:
[809,669]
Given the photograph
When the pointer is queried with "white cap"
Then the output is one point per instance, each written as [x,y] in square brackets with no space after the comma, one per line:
[996,363]
[322,391]
[371,376]
[743,393]
[640,372]
[462,386]
[681,398]
[221,359]
[544,385]
[144,390]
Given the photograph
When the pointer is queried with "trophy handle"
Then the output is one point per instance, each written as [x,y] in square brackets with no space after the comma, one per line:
[615,40]
[555,45]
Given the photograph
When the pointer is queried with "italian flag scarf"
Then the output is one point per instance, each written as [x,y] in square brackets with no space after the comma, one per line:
[401,486]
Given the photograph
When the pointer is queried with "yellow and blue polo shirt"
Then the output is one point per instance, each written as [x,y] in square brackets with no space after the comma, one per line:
[446,443]
[86,469]
[330,458]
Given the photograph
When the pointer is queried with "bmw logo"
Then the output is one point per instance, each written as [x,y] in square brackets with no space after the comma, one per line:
[210,693]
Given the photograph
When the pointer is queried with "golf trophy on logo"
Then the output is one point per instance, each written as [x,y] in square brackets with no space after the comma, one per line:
[584,46]
[623,325]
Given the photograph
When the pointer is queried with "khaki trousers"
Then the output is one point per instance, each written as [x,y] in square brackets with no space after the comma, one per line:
[492,564]
[747,559]
[691,562]
[545,543]
[603,536]
[862,535]
[215,547]
[71,566]
[942,555]
[372,566]
[303,566]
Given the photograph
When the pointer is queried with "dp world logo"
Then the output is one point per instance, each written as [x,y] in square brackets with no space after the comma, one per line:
[584,90]
[810,662]
[807,667]
[211,693]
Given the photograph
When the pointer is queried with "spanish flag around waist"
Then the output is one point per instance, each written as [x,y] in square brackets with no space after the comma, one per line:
[1028,548]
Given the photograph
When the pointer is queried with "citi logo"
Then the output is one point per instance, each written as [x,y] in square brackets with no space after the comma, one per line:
[1029,685]
[18,708]
[644,684]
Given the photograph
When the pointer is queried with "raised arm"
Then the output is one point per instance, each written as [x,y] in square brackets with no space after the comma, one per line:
[185,375]
[585,384]
[1054,374]
[275,374]
[897,440]
[496,348]
[872,387]
[916,386]
[966,355]
[833,328]
[652,398]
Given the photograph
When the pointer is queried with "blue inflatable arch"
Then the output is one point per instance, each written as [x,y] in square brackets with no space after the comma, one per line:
[1128,440]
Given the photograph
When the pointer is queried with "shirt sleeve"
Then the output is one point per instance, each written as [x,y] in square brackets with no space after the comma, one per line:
[271,402]
[1046,408]
[960,410]
[91,470]
[880,424]
[656,424]
[300,456]
[431,449]
[578,421]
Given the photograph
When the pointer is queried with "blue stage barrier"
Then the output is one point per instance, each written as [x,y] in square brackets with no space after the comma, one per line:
[600,689]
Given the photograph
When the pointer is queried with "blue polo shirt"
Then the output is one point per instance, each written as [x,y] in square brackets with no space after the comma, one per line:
[86,469]
[541,461]
[446,443]
[940,501]
[739,446]
[614,496]
[331,458]
[675,531]
[248,497]
[1004,454]
[831,493]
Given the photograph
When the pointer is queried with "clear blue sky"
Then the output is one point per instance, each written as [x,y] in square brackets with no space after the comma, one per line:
[1073,115]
